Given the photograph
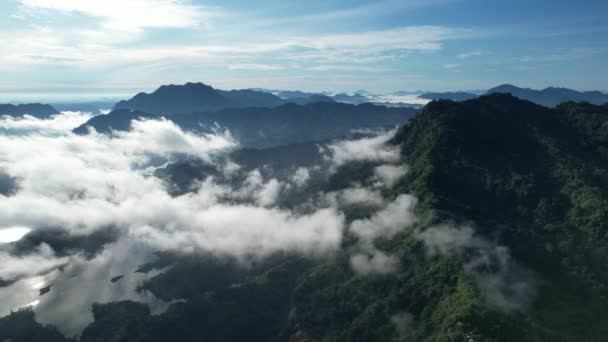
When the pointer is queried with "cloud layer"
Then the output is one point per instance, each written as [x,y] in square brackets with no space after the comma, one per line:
[503,283]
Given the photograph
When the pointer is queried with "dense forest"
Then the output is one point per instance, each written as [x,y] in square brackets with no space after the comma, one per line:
[509,244]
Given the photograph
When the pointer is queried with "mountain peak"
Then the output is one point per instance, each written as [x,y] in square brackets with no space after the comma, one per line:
[195,98]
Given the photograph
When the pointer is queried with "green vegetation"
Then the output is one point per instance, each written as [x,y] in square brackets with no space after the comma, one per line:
[526,177]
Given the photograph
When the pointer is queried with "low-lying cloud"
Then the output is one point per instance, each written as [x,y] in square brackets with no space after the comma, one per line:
[83,185]
[503,283]
[97,184]
[386,223]
[372,149]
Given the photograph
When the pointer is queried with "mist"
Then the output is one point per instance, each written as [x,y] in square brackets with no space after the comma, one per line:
[92,210]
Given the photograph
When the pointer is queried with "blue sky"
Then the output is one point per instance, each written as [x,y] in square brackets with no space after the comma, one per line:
[116,47]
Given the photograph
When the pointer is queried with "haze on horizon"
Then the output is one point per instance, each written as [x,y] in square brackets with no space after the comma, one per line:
[114,48]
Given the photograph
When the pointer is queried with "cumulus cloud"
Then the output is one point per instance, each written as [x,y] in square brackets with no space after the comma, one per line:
[388,221]
[106,186]
[263,67]
[264,193]
[12,234]
[301,176]
[360,196]
[385,223]
[474,53]
[245,231]
[389,175]
[132,15]
[85,184]
[374,262]
[503,283]
[29,124]
[366,149]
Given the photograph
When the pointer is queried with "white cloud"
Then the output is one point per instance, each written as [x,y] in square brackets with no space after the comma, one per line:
[413,99]
[43,260]
[12,234]
[29,124]
[401,38]
[390,174]
[106,185]
[371,149]
[87,282]
[103,47]
[348,68]
[376,262]
[385,223]
[392,219]
[263,67]
[503,284]
[301,176]
[359,195]
[132,15]
[474,53]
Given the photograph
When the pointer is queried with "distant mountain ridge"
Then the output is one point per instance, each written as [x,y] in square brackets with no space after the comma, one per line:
[195,97]
[551,96]
[38,110]
[454,96]
[199,97]
[265,127]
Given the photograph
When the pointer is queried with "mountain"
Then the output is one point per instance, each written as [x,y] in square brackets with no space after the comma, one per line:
[119,119]
[352,99]
[510,241]
[527,182]
[454,96]
[251,98]
[551,97]
[407,92]
[263,127]
[289,94]
[311,99]
[34,109]
[22,326]
[535,178]
[196,97]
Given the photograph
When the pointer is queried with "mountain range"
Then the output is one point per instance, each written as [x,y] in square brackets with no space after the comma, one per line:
[199,97]
[264,127]
[551,97]
[454,96]
[511,243]
[548,97]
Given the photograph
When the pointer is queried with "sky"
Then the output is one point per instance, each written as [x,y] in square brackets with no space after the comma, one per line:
[115,48]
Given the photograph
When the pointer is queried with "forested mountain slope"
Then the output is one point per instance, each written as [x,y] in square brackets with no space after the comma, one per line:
[508,243]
